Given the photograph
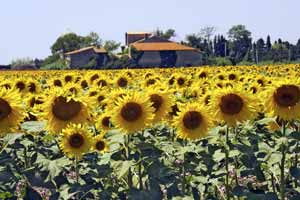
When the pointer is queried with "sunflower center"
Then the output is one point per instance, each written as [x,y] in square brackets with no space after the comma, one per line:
[57,83]
[157,101]
[102,83]
[192,120]
[202,75]
[100,145]
[84,84]
[232,76]
[287,95]
[7,86]
[64,110]
[254,90]
[131,111]
[180,81]
[105,121]
[231,104]
[21,86]
[32,87]
[171,81]
[68,79]
[94,77]
[5,109]
[261,82]
[122,82]
[76,140]
[100,98]
[150,82]
[93,93]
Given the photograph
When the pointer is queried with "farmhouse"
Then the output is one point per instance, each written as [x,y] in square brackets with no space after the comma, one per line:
[157,52]
[89,57]
[131,37]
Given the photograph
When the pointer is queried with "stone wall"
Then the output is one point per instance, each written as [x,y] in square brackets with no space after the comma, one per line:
[80,60]
[182,58]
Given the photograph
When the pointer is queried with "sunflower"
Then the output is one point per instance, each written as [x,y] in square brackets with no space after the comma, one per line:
[100,144]
[103,122]
[20,85]
[193,121]
[75,140]
[64,107]
[232,105]
[55,82]
[283,100]
[132,113]
[11,110]
[68,78]
[122,80]
[33,86]
[161,102]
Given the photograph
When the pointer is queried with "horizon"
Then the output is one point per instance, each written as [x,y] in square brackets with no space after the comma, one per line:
[31,27]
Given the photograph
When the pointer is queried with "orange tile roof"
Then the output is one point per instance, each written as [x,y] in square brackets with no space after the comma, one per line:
[97,50]
[161,46]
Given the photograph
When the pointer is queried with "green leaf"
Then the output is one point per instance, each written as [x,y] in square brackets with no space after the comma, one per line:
[266,120]
[218,155]
[122,167]
[33,126]
[234,153]
[53,166]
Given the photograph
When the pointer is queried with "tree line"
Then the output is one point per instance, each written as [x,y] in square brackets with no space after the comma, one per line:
[237,47]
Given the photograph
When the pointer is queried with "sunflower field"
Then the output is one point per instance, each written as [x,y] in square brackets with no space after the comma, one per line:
[186,133]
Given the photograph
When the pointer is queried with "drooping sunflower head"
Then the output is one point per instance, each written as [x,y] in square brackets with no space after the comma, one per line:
[12,111]
[100,144]
[64,107]
[232,105]
[283,100]
[75,140]
[193,121]
[161,102]
[132,113]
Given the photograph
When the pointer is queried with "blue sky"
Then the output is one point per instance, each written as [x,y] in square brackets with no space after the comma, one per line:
[29,27]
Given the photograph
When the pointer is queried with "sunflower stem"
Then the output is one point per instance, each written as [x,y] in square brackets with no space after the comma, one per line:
[282,165]
[76,171]
[227,162]
[140,175]
[127,151]
[76,175]
[183,176]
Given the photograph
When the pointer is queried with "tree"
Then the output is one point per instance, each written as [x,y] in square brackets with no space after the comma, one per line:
[66,43]
[71,41]
[268,43]
[22,62]
[238,32]
[168,34]
[111,46]
[207,32]
[260,50]
[92,39]
[240,42]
